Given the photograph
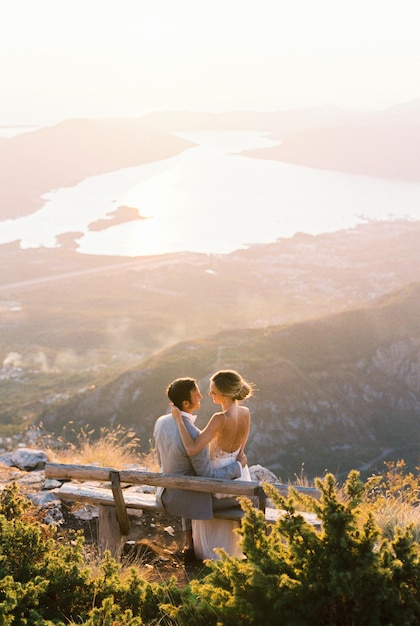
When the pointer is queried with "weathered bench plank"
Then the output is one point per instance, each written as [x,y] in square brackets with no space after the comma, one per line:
[70,471]
[156,479]
[101,495]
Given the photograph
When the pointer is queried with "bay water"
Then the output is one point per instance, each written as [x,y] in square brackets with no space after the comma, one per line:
[211,199]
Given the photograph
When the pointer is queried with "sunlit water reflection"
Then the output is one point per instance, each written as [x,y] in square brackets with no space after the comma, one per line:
[211,199]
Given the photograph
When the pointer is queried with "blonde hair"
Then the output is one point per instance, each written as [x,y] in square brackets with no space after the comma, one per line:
[232,385]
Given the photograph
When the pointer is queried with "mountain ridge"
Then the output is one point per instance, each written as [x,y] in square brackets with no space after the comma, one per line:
[336,393]
[68,152]
[379,151]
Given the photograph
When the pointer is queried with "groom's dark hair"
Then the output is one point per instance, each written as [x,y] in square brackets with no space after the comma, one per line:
[180,390]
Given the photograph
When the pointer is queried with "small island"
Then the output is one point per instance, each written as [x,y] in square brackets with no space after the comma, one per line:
[122,214]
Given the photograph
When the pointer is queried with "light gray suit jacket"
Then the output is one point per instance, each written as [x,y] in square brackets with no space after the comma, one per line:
[173,459]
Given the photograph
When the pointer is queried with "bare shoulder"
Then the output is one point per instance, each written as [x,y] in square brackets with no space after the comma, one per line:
[218,418]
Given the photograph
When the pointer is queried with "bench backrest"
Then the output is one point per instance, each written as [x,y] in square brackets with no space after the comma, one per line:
[63,471]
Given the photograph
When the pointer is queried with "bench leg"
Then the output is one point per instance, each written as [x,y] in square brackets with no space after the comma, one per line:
[109,533]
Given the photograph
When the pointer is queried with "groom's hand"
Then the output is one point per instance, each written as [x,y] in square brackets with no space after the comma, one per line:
[242,458]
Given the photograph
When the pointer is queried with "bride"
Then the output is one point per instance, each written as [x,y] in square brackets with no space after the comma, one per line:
[226,433]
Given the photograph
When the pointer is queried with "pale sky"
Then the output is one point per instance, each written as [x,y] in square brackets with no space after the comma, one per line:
[102,58]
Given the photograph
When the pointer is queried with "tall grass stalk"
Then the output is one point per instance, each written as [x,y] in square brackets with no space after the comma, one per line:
[394,513]
[116,447]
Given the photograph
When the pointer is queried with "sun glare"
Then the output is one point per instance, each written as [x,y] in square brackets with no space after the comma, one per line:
[152,27]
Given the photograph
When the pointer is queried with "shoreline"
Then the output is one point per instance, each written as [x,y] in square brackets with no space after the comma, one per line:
[68,243]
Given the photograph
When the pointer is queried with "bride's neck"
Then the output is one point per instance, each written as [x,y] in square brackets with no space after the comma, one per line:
[229,404]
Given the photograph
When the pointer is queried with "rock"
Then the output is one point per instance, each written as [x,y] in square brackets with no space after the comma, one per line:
[51,483]
[6,459]
[147,489]
[54,515]
[258,472]
[33,478]
[86,512]
[43,498]
[28,459]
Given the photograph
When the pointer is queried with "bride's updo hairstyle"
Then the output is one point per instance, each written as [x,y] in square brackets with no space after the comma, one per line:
[232,385]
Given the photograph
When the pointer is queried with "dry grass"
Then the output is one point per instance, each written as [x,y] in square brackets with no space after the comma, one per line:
[393,499]
[393,513]
[117,448]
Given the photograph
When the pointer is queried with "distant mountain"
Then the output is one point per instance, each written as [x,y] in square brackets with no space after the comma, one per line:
[284,122]
[65,154]
[335,393]
[383,144]
[403,113]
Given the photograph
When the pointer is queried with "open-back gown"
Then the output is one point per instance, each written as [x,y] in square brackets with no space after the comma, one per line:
[218,533]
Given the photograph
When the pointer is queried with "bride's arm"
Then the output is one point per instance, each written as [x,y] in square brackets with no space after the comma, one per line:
[193,446]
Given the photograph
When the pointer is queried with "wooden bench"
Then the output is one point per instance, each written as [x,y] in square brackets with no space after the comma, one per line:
[117,491]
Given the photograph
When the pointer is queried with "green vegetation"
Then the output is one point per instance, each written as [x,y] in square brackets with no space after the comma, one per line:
[45,579]
[347,573]
[25,395]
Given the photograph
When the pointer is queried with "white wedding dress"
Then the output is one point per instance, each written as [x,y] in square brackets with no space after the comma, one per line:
[218,533]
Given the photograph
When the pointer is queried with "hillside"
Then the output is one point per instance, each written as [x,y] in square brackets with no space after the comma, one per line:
[70,323]
[381,152]
[333,394]
[62,155]
[383,144]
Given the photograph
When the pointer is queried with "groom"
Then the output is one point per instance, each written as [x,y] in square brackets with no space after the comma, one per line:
[173,459]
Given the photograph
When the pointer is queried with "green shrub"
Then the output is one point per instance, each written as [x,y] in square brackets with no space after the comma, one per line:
[110,614]
[342,575]
[44,578]
[131,592]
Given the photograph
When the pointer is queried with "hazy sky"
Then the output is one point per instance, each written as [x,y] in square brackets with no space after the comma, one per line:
[97,58]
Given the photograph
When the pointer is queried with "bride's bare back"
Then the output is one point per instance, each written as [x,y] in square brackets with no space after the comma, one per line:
[234,429]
